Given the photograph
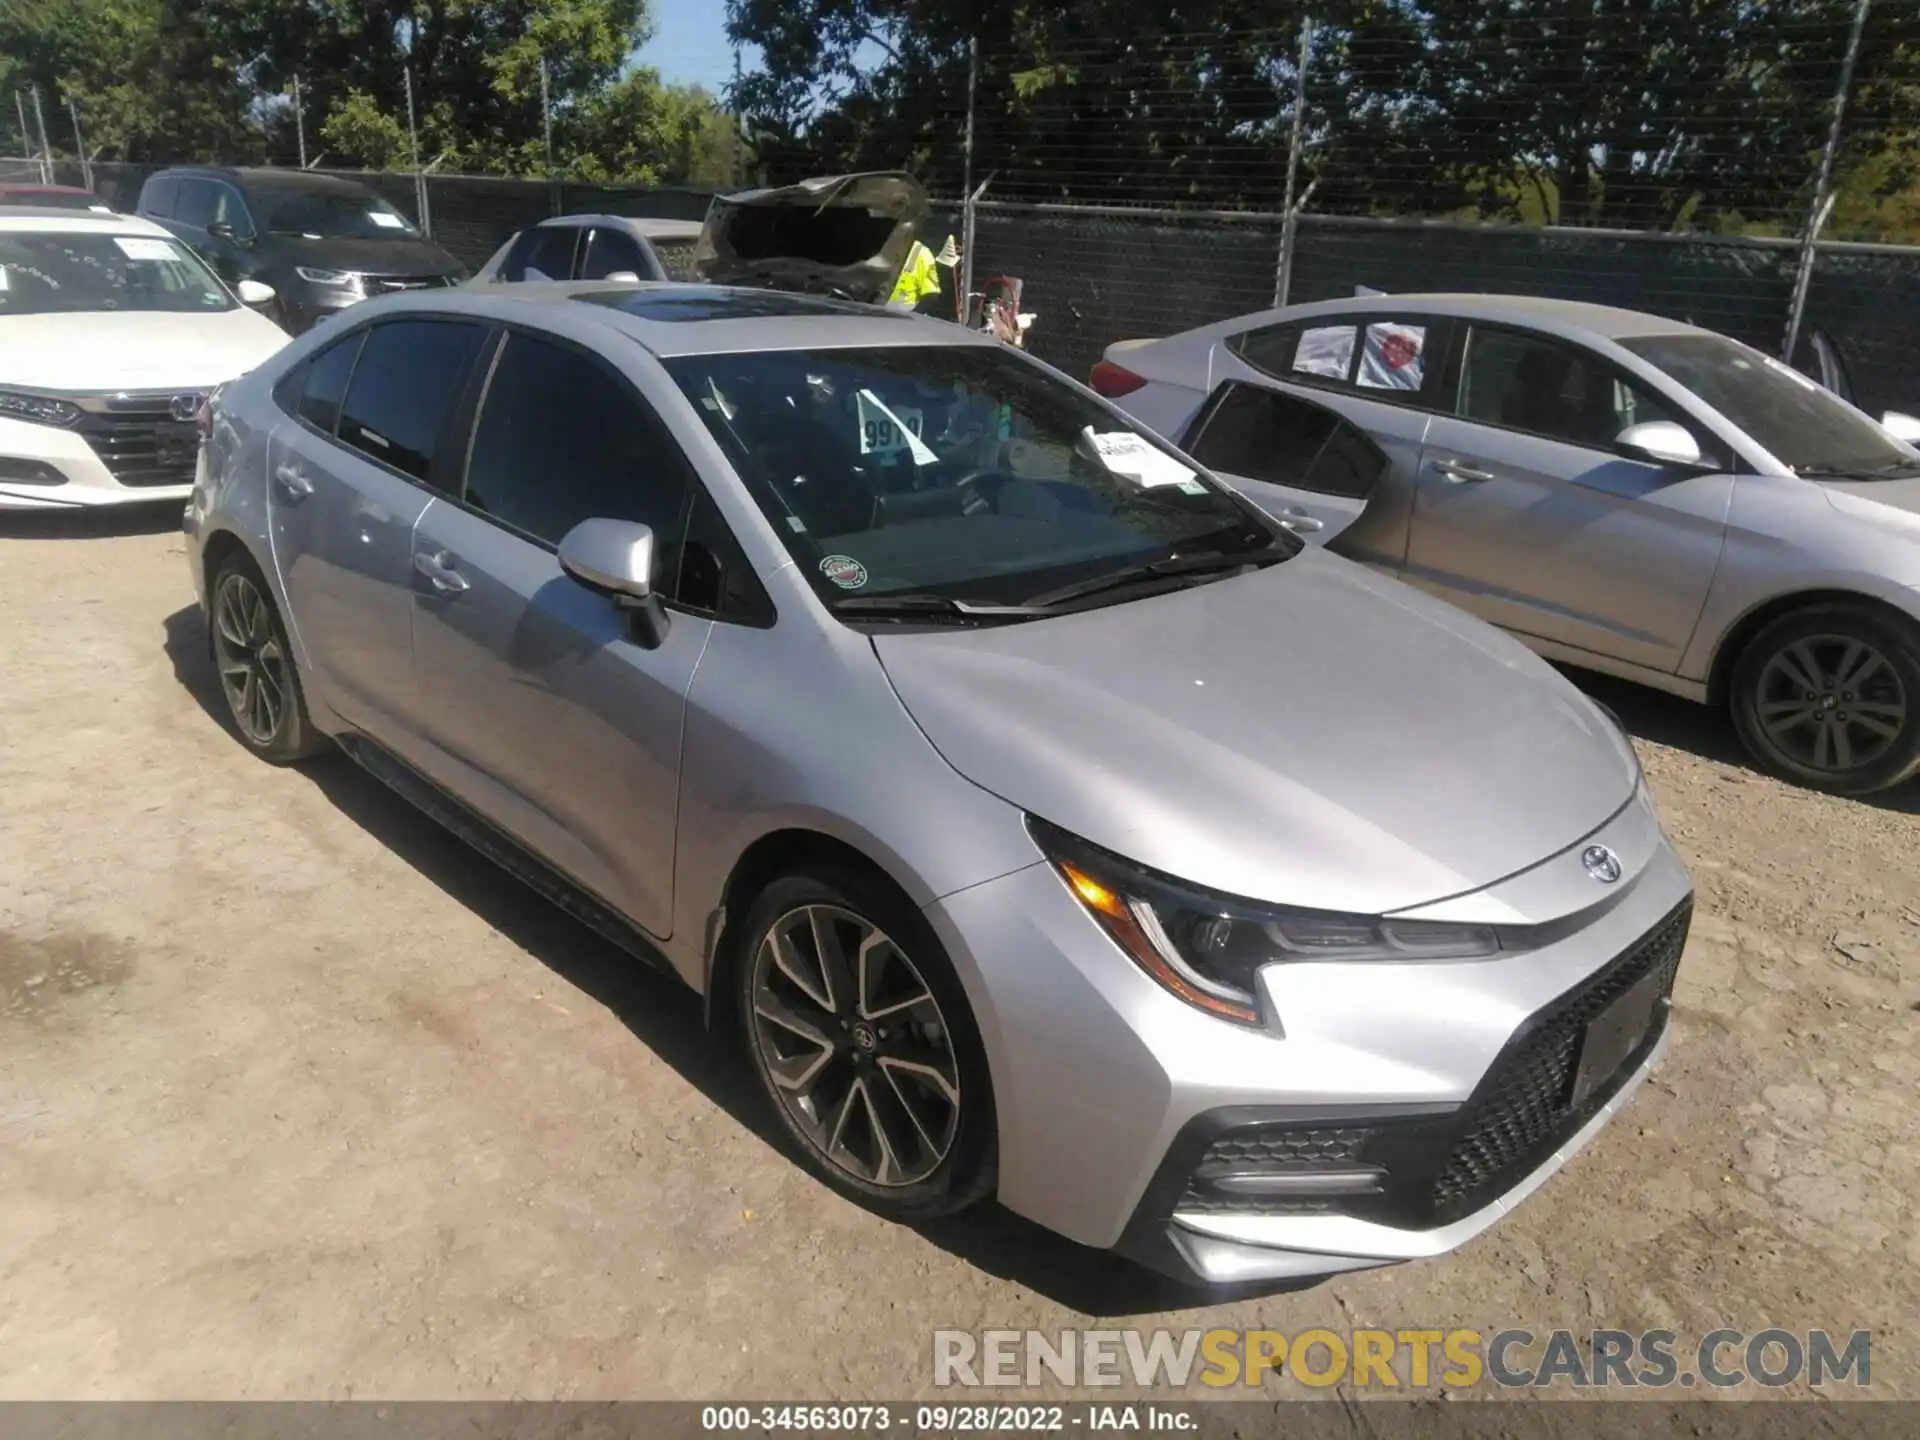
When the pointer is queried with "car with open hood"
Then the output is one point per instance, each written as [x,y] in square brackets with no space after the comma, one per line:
[1045,820]
[112,334]
[838,235]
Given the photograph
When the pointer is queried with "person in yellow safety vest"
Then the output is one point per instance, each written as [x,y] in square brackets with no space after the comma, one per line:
[920,276]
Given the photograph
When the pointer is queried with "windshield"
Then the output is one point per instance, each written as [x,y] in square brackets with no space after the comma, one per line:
[957,471]
[334,216]
[1804,426]
[44,272]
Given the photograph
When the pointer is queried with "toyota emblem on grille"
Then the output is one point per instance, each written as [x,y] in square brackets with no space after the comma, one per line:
[1601,863]
[185,407]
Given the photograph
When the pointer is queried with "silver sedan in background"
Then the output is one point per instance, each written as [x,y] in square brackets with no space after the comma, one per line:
[1044,820]
[1618,491]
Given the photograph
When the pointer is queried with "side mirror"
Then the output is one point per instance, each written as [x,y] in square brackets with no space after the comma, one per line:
[1659,442]
[626,275]
[254,292]
[616,556]
[1901,427]
[222,230]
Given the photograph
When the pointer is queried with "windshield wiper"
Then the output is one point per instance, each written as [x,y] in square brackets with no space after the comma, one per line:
[1194,566]
[917,605]
[1892,470]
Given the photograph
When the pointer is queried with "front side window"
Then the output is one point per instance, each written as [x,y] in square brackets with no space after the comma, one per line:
[44,272]
[196,202]
[404,387]
[543,253]
[562,439]
[1799,423]
[1528,382]
[963,471]
[335,215]
[1265,435]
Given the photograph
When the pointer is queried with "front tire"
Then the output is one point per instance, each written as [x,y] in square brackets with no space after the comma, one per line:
[861,1036]
[254,664]
[1829,697]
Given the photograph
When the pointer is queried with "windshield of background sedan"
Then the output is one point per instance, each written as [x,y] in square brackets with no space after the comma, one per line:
[1802,424]
[959,471]
[339,217]
[45,272]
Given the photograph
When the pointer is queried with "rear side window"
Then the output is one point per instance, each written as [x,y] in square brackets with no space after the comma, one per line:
[610,252]
[1382,356]
[405,386]
[313,390]
[562,439]
[1265,435]
[543,253]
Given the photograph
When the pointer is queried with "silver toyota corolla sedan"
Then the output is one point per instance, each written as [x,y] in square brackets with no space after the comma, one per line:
[1618,491]
[1046,821]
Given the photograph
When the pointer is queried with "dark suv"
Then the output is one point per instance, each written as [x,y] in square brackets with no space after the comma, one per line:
[321,242]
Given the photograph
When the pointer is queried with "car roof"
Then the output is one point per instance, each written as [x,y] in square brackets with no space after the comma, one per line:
[49,218]
[1566,317]
[670,319]
[34,187]
[266,177]
[650,226]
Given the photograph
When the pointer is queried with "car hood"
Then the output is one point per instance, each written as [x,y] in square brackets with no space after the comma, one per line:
[1312,734]
[133,349]
[1889,504]
[848,234]
[367,257]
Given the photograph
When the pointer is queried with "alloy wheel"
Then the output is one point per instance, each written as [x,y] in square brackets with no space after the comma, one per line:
[1831,702]
[251,660]
[855,1044]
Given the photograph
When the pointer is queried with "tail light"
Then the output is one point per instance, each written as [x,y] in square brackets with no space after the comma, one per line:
[1113,380]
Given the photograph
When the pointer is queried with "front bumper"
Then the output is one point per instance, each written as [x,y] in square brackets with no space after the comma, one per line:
[1102,1079]
[43,467]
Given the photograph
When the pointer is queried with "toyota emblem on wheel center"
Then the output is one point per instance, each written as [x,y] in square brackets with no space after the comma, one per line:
[1601,863]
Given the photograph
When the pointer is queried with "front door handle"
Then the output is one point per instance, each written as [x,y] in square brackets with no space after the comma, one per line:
[1460,473]
[292,483]
[440,572]
[1300,520]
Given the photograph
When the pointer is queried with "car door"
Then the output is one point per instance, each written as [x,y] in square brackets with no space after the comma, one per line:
[1308,468]
[1528,516]
[350,474]
[544,712]
[1379,372]
[611,251]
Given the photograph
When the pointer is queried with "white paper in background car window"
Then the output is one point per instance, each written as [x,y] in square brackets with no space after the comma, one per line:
[1130,456]
[142,247]
[1325,350]
[1394,357]
[386,221]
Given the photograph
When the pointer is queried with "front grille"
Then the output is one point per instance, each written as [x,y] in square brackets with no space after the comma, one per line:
[1435,1168]
[387,284]
[1524,1108]
[143,446]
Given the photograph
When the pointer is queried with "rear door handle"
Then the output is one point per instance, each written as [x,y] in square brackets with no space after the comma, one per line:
[1460,473]
[292,483]
[1300,520]
[440,572]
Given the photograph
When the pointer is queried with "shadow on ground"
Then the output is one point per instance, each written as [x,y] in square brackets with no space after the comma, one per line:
[1702,730]
[151,517]
[668,1018]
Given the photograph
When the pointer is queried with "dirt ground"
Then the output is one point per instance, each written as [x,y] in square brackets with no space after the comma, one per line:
[299,1097]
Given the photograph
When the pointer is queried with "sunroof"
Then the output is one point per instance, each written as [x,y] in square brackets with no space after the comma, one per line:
[698,302]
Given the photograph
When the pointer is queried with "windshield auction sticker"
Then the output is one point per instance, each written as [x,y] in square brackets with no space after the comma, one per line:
[844,571]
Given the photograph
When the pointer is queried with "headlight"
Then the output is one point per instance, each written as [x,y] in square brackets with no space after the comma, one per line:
[1207,948]
[40,409]
[337,279]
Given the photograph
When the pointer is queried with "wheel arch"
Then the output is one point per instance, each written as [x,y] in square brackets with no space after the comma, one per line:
[1740,634]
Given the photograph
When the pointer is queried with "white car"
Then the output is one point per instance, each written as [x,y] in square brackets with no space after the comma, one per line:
[112,334]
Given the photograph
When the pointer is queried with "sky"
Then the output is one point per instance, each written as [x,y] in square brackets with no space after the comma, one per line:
[689,42]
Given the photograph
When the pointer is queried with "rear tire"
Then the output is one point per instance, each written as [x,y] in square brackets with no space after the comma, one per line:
[1829,697]
[862,1039]
[253,662]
